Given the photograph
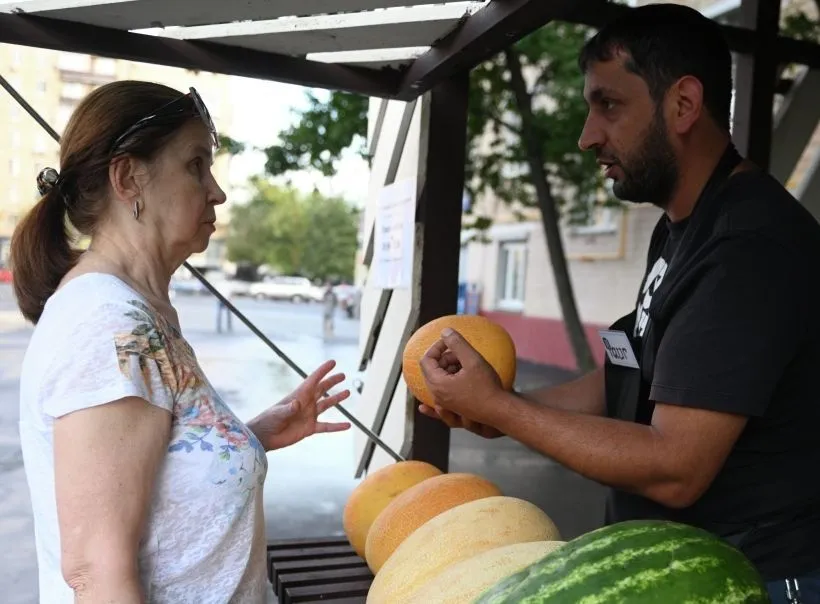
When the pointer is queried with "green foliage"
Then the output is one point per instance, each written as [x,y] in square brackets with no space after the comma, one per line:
[549,63]
[796,23]
[309,235]
[496,155]
[230,146]
[323,132]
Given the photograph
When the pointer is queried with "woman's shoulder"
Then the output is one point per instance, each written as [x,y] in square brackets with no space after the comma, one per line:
[95,301]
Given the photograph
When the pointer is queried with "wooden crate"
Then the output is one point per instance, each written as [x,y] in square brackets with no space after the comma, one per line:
[317,570]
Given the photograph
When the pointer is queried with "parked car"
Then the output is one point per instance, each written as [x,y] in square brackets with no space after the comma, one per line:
[295,289]
[5,275]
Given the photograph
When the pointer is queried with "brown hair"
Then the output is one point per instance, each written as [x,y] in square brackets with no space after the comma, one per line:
[41,247]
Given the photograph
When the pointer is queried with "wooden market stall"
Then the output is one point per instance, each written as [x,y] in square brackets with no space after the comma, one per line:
[412,58]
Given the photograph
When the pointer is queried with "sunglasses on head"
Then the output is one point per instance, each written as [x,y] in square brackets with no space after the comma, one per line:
[174,109]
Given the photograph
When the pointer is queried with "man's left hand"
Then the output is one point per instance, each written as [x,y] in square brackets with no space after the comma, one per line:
[460,380]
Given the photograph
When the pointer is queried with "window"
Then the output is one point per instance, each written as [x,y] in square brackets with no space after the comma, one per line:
[105,66]
[40,144]
[73,90]
[63,114]
[512,269]
[604,221]
[69,61]
[16,56]
[14,166]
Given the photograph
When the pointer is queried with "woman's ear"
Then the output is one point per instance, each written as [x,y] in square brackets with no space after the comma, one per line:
[123,176]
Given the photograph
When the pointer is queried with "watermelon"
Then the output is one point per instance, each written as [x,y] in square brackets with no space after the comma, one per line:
[636,562]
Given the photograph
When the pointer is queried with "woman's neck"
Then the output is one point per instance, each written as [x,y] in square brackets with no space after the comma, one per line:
[139,268]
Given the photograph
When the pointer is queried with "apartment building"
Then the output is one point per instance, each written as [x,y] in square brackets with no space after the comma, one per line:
[53,83]
[511,274]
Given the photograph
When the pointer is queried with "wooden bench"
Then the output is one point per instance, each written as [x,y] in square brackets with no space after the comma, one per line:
[317,570]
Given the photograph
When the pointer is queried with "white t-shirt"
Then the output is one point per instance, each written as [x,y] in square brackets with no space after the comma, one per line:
[99,341]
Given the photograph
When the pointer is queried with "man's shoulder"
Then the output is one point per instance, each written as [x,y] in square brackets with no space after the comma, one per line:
[755,202]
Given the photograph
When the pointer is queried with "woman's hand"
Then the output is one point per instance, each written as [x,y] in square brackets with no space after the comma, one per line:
[296,416]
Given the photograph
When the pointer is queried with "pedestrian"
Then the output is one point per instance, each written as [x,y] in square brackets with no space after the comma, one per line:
[707,409]
[145,485]
[328,310]
[222,308]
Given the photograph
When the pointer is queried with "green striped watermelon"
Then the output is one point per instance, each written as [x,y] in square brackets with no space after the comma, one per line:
[636,562]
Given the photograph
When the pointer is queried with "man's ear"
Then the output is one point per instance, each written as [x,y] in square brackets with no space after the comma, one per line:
[686,104]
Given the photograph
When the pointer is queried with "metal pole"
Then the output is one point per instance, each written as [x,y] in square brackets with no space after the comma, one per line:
[369,433]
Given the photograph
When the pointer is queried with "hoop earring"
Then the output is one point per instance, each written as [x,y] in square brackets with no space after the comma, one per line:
[136,209]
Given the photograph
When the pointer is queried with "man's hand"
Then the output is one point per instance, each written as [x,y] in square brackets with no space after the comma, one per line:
[464,386]
[453,420]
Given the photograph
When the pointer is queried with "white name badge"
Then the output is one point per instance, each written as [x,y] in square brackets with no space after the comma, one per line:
[618,349]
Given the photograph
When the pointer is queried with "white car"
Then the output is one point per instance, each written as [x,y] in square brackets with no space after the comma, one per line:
[295,289]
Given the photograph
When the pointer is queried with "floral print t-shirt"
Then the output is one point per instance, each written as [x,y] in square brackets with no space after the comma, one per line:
[99,341]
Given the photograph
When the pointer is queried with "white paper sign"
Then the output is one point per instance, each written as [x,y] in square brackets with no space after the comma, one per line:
[618,349]
[394,237]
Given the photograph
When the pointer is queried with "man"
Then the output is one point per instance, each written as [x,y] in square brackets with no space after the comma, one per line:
[707,409]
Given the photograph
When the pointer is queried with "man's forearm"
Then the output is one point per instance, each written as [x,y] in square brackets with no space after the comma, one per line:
[582,395]
[619,454]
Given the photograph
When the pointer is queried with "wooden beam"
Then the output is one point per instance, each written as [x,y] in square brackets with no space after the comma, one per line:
[482,35]
[54,34]
[756,78]
[440,212]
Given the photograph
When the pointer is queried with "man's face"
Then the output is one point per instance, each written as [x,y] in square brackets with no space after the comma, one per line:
[628,134]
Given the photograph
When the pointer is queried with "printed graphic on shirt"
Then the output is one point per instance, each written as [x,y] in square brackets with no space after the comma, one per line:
[653,281]
[202,423]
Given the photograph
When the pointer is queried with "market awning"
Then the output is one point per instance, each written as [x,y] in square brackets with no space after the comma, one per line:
[385,48]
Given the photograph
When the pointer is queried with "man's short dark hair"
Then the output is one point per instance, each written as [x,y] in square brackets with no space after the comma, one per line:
[665,42]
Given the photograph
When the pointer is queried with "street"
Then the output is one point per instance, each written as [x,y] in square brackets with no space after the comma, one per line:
[307,484]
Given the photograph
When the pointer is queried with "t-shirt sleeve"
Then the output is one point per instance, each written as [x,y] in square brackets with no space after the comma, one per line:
[114,351]
[727,347]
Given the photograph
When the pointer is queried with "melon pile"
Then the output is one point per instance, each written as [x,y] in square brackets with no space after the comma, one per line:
[421,535]
[435,538]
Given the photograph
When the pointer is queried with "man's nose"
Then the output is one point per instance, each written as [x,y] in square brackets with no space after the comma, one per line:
[591,135]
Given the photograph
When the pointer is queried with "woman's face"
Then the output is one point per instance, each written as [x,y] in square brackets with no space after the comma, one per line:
[181,195]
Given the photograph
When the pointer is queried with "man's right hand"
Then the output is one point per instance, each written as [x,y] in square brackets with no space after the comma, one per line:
[453,420]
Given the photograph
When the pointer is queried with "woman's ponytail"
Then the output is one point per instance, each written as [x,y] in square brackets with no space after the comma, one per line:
[41,252]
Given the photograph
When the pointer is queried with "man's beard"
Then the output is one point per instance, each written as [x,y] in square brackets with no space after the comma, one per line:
[650,175]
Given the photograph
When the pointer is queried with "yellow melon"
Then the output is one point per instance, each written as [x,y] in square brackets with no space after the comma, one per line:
[465,581]
[375,492]
[489,339]
[418,504]
[456,535]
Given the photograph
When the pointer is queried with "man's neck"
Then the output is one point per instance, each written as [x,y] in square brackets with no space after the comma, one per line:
[695,168]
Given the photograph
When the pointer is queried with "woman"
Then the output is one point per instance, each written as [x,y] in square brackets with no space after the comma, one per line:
[145,486]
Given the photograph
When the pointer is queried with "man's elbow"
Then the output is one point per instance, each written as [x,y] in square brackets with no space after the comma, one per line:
[678,494]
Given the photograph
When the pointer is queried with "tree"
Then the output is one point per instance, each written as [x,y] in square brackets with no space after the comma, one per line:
[544,169]
[309,235]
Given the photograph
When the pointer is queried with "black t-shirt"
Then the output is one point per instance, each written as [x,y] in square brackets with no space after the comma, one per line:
[742,335]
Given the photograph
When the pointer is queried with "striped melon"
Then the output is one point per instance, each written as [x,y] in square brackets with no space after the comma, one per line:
[640,562]
[455,535]
[466,580]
